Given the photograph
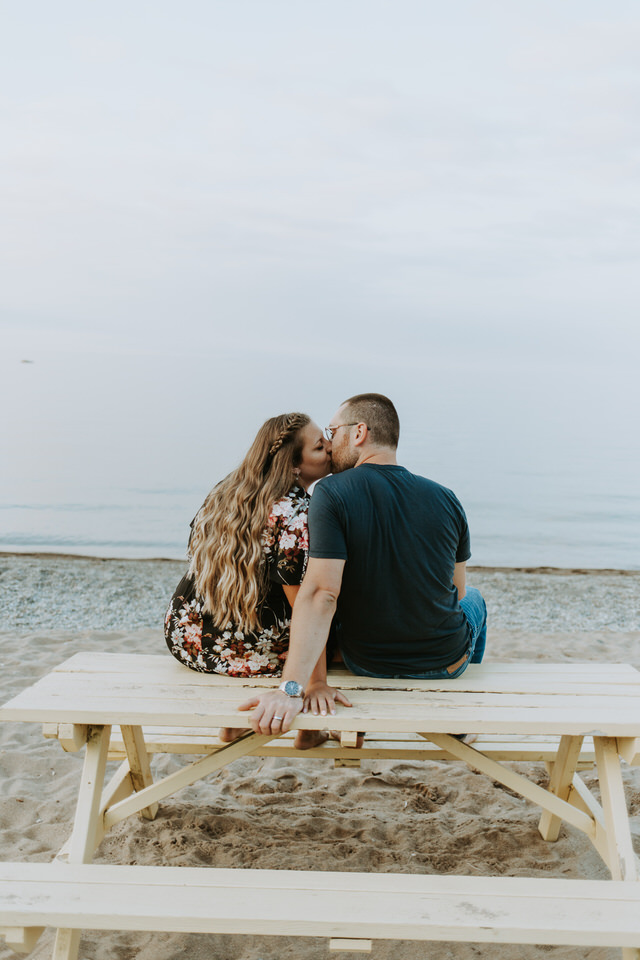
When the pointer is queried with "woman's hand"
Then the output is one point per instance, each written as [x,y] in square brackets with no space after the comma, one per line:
[321,699]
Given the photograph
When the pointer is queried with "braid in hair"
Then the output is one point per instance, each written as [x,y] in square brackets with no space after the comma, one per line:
[294,423]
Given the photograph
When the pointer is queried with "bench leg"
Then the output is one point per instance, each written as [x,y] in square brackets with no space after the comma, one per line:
[562,773]
[87,831]
[139,765]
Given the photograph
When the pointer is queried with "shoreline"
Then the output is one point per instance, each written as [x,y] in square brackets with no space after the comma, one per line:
[471,568]
[53,592]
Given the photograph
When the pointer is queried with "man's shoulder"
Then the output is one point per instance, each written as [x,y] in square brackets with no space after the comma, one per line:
[340,485]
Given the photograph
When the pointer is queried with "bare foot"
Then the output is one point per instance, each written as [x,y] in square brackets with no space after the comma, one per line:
[307,739]
[229,734]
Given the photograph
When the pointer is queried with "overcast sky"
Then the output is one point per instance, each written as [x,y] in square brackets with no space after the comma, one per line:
[347,178]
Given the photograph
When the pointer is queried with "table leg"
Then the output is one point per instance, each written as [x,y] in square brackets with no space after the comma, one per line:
[564,768]
[86,831]
[139,765]
[623,862]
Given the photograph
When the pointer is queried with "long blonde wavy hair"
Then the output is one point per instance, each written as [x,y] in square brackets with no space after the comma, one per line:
[227,556]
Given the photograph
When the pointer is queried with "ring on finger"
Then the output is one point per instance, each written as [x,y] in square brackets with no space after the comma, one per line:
[277,718]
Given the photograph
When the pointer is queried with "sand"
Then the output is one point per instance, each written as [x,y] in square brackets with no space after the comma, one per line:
[386,816]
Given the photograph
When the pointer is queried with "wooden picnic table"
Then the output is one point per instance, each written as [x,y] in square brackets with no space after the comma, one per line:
[129,707]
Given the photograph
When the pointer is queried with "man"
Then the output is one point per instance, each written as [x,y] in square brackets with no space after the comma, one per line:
[388,551]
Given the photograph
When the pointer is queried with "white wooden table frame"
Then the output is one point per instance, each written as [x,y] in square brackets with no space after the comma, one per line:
[564,714]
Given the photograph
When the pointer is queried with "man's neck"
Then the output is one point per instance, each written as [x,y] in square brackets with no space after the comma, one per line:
[378,456]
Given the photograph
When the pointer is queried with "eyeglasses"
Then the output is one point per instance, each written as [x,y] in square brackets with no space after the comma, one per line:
[329,431]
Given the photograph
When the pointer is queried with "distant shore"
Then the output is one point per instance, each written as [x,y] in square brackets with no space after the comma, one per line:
[556,571]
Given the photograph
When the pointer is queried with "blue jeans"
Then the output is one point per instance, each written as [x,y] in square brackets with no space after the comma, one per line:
[475,612]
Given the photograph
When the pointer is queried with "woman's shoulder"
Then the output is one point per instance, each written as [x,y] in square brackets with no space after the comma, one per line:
[294,503]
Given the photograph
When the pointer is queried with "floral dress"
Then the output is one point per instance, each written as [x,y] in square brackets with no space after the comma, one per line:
[193,638]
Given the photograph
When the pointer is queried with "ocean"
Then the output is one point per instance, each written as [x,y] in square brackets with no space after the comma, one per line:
[111,456]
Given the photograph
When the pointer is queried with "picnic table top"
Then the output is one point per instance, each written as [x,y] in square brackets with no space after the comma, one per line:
[580,699]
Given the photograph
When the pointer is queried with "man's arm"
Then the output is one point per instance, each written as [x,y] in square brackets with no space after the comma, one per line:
[314,608]
[460,579]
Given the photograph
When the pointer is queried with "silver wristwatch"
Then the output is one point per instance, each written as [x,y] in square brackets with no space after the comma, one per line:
[292,688]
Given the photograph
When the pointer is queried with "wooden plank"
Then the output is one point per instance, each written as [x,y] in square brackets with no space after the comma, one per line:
[84,836]
[122,688]
[406,746]
[357,946]
[562,773]
[21,939]
[139,765]
[491,683]
[119,787]
[581,797]
[66,944]
[622,860]
[115,684]
[72,736]
[441,718]
[299,903]
[629,750]
[146,664]
[489,713]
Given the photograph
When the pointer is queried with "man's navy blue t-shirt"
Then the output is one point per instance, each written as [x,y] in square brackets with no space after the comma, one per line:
[401,536]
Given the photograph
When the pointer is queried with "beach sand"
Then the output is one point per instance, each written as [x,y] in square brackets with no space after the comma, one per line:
[386,816]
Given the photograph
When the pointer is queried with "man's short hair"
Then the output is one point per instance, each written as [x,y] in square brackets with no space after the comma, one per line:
[379,414]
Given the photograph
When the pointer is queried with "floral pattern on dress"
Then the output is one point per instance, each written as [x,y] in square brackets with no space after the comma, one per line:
[190,632]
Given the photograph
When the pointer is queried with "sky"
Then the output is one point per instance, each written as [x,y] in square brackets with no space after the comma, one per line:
[217,211]
[402,184]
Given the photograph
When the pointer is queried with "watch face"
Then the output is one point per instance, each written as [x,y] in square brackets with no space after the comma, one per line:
[292,688]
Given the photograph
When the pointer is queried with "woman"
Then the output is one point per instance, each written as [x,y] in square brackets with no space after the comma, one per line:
[249,543]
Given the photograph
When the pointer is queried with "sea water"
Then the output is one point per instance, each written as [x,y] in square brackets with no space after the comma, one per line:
[111,455]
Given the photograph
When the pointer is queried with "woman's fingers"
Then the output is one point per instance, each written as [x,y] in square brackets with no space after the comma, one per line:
[341,698]
[323,702]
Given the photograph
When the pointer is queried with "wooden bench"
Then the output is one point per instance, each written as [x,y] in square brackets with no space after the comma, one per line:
[350,909]
[566,715]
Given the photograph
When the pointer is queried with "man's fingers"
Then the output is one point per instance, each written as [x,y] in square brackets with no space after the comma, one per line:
[270,714]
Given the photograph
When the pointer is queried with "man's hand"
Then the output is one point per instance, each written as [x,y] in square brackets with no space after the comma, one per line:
[321,699]
[274,712]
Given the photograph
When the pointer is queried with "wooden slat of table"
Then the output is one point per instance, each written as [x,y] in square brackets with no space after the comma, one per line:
[525,676]
[491,713]
[105,662]
[59,685]
[108,688]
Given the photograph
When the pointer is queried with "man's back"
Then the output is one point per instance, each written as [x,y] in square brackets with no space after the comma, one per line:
[401,536]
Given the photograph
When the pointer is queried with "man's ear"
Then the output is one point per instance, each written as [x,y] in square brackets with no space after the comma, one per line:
[361,435]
